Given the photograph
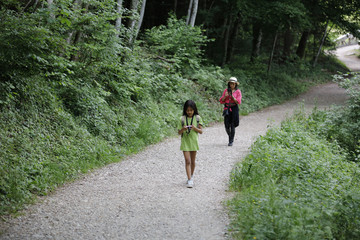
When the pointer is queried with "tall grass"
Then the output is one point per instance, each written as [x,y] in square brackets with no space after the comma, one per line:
[295,184]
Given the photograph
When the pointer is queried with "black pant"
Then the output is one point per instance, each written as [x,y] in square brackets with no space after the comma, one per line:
[230,130]
[231,121]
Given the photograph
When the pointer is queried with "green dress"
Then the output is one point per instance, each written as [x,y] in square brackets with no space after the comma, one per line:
[189,141]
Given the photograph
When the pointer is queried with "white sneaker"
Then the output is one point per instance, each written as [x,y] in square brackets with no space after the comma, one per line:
[190,183]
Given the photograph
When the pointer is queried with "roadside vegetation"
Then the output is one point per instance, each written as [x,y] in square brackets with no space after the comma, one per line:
[61,118]
[301,180]
[81,86]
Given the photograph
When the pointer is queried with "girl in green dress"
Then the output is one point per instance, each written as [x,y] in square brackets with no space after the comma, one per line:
[189,127]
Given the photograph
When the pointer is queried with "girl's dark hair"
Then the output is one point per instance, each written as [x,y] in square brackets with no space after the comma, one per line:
[236,86]
[190,103]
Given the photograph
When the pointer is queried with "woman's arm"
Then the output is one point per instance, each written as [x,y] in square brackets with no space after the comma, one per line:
[224,96]
[236,97]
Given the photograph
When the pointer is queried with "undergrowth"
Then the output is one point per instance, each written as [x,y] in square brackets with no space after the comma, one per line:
[301,180]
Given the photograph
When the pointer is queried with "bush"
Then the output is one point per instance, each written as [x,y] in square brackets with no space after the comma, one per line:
[295,185]
[178,42]
[41,151]
[342,124]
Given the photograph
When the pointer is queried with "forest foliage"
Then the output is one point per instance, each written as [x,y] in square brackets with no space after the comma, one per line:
[78,91]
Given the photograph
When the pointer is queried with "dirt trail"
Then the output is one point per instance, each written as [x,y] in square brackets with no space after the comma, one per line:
[144,197]
[348,56]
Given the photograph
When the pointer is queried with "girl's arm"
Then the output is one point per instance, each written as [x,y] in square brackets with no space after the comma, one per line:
[182,130]
[197,129]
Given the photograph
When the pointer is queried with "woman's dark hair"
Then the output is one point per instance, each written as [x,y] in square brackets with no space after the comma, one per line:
[236,86]
[190,103]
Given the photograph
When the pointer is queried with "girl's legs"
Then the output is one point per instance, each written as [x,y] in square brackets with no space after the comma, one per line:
[189,163]
[193,157]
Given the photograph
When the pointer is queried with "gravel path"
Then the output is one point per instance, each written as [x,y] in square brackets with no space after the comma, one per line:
[144,196]
[348,57]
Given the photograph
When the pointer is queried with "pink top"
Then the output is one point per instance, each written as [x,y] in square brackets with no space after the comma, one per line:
[236,94]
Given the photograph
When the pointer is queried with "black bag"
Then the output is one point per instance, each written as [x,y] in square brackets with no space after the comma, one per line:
[226,112]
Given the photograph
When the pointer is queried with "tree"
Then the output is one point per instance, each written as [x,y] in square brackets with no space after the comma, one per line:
[321,43]
[142,12]
[275,20]
[272,53]
[77,6]
[340,13]
[256,41]
[233,36]
[300,52]
[136,19]
[226,35]
[133,19]
[119,10]
[192,12]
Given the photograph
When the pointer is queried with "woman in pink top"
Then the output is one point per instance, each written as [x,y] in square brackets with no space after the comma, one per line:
[231,98]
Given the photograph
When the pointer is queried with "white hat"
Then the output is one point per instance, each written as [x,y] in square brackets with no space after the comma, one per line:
[233,79]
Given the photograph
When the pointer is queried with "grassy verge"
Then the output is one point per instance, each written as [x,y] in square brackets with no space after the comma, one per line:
[295,184]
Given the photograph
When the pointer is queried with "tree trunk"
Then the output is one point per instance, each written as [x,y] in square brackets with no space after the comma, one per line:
[226,42]
[302,44]
[77,5]
[256,42]
[272,53]
[189,12]
[234,33]
[118,20]
[77,38]
[224,27]
[194,13]
[175,6]
[50,2]
[288,42]
[133,8]
[50,7]
[36,3]
[142,12]
[321,43]
[75,57]
[132,20]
